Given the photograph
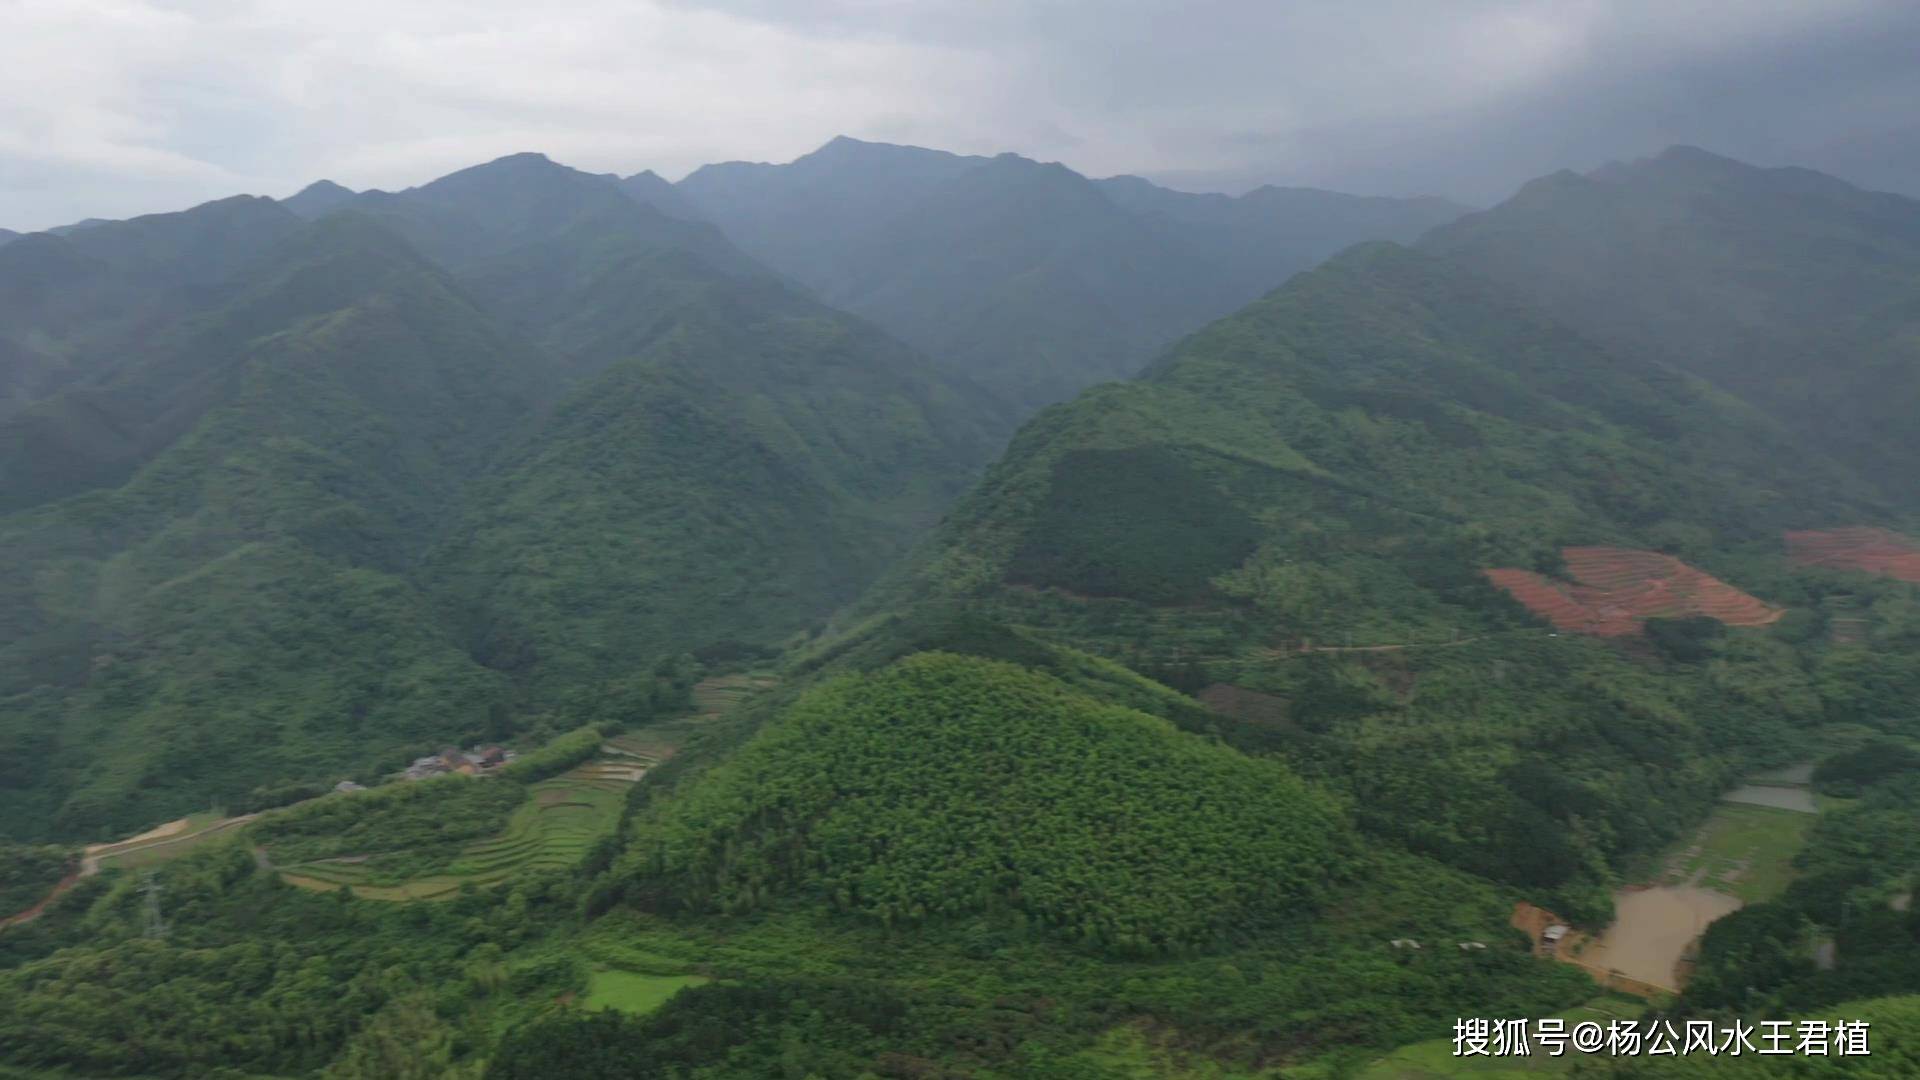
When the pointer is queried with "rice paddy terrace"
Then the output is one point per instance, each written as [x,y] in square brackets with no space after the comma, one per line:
[1873,550]
[552,830]
[718,695]
[1611,592]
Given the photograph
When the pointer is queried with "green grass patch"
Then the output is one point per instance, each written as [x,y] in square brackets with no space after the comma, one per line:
[633,992]
[1745,851]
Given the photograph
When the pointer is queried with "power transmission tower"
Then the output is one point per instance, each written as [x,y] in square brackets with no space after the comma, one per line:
[156,926]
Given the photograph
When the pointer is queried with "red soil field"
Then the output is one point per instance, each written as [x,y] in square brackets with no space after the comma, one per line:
[1614,590]
[1877,551]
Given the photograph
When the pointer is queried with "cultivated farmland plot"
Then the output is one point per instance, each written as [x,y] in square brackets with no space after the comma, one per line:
[552,830]
[1873,550]
[1612,591]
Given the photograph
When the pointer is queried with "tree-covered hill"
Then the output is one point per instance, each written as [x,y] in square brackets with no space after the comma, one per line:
[945,786]
[1786,287]
[1028,277]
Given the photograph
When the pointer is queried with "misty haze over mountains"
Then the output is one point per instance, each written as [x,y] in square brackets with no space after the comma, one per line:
[966,258]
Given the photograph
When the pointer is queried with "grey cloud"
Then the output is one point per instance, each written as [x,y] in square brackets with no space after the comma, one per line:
[144,105]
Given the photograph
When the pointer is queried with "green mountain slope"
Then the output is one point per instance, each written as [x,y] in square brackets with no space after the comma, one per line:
[725,460]
[1384,399]
[734,472]
[1332,468]
[1030,278]
[236,613]
[434,466]
[76,309]
[1787,287]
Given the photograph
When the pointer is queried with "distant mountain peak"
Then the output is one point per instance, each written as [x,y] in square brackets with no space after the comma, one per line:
[83,223]
[324,187]
[317,198]
[843,149]
[651,189]
[1564,182]
[1682,153]
[1690,167]
[526,173]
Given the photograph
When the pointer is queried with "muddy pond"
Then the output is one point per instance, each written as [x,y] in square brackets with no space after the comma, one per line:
[1743,853]
[1652,929]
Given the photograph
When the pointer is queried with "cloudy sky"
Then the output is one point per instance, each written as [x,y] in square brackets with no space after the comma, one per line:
[116,107]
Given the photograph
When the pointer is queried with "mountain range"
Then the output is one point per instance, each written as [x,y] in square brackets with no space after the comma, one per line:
[1124,619]
[381,469]
[557,423]
[1029,277]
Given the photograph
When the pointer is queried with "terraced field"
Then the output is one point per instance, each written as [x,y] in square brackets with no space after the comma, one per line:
[1615,590]
[717,695]
[552,830]
[1876,551]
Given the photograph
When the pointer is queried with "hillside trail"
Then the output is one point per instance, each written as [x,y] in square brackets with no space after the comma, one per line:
[91,855]
[1455,643]
[1382,648]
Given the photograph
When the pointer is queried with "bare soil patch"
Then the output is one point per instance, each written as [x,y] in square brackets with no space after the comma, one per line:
[1611,592]
[1863,547]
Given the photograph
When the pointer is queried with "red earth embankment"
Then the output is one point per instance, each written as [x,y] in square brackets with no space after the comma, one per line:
[1874,550]
[1613,591]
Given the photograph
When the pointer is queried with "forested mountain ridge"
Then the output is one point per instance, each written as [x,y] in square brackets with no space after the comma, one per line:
[1390,382]
[419,469]
[765,454]
[237,612]
[1785,286]
[740,471]
[1027,276]
[96,303]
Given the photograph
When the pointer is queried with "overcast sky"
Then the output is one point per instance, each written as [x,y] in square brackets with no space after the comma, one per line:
[115,107]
